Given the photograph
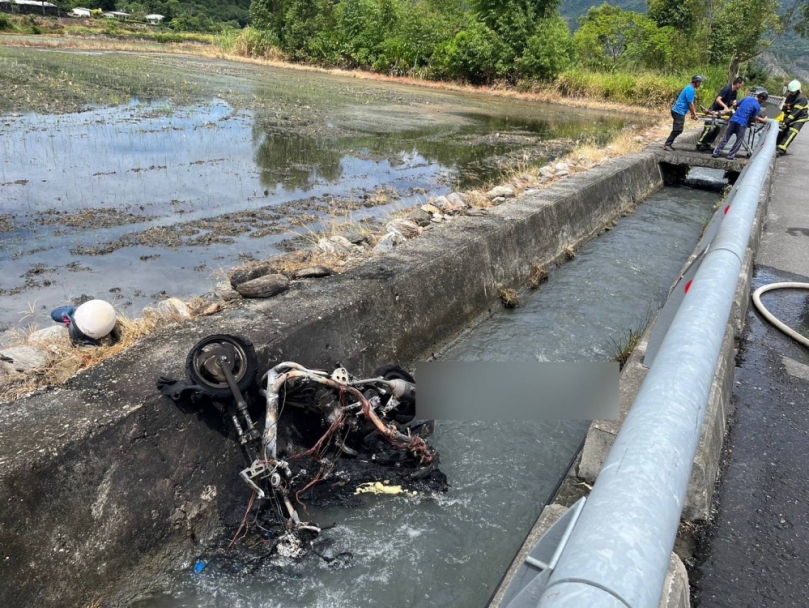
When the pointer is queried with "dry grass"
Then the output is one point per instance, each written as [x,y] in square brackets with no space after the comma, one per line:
[476,198]
[538,276]
[509,298]
[623,347]
[630,140]
[66,359]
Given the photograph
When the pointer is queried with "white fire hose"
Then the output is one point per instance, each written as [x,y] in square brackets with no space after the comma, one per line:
[772,318]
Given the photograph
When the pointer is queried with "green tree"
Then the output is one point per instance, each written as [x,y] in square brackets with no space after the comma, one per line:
[743,29]
[610,38]
[474,55]
[548,52]
[514,21]
[419,32]
[269,15]
[683,15]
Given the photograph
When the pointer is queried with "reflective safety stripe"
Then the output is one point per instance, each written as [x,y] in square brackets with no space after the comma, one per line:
[795,111]
[794,128]
[708,128]
[793,133]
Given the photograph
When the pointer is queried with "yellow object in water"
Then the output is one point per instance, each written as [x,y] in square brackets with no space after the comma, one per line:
[378,488]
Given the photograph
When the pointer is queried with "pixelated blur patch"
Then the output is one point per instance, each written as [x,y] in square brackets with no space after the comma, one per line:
[475,390]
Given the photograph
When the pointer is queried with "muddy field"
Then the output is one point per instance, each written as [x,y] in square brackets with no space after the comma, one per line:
[137,176]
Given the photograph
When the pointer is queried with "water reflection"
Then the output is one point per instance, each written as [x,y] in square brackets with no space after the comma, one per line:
[294,163]
[476,147]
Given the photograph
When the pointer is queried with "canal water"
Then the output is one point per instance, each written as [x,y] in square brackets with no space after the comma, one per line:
[134,177]
[453,549]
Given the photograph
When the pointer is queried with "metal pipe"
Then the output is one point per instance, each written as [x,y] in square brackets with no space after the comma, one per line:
[618,552]
[269,439]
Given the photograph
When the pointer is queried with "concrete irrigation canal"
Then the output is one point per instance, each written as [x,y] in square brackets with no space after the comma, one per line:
[459,544]
[139,182]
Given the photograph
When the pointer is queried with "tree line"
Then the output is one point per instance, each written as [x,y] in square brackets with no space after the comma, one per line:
[480,41]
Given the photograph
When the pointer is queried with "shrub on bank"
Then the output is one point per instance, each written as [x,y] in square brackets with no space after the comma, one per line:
[645,88]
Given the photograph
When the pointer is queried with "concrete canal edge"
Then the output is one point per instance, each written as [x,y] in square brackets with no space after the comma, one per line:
[105,484]
[704,475]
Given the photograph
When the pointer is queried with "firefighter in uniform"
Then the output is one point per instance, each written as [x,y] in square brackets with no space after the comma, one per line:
[723,104]
[795,115]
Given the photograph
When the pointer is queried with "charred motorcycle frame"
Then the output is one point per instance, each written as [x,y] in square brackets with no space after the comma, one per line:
[351,409]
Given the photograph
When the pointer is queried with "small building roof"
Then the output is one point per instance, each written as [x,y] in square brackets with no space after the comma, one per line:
[154,17]
[117,13]
[34,3]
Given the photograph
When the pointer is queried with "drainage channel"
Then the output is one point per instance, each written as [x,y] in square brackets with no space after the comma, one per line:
[452,550]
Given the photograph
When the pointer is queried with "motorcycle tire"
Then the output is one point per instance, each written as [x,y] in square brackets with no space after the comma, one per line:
[392,372]
[207,379]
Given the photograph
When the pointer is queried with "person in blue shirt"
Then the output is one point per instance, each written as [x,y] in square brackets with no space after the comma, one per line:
[685,104]
[721,105]
[748,112]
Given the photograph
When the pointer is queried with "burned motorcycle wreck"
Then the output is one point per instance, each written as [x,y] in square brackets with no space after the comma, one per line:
[321,437]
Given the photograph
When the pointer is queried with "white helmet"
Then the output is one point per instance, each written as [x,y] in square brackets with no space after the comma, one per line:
[794,86]
[95,318]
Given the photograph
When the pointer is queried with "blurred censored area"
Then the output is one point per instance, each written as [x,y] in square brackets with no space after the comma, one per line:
[475,390]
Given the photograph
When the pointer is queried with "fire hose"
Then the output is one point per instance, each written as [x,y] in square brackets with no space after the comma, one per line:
[771,318]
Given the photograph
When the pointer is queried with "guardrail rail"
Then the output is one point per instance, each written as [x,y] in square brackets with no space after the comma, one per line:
[613,550]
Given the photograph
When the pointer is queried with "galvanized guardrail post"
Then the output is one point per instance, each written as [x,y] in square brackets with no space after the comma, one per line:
[617,554]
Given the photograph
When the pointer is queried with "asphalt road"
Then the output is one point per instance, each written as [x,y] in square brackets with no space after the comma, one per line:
[756,550]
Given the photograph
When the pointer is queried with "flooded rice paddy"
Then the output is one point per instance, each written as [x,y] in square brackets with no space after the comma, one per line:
[453,549]
[134,177]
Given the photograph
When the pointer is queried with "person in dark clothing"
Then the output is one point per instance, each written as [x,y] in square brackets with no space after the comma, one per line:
[796,114]
[685,104]
[748,112]
[724,102]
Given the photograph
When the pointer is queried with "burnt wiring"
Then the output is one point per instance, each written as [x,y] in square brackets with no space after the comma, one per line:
[222,366]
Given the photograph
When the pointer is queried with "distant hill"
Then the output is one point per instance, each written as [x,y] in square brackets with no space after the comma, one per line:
[573,9]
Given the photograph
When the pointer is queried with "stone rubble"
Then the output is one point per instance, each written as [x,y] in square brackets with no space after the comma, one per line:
[264,287]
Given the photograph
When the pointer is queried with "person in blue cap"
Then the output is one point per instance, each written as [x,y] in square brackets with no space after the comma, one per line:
[748,112]
[685,104]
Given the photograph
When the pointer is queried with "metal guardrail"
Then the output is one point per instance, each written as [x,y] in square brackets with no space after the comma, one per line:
[615,552]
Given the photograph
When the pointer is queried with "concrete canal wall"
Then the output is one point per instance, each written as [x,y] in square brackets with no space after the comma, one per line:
[104,480]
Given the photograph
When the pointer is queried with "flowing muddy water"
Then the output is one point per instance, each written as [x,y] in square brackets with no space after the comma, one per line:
[134,177]
[452,550]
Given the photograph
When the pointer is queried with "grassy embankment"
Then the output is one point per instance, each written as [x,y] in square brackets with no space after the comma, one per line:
[648,90]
